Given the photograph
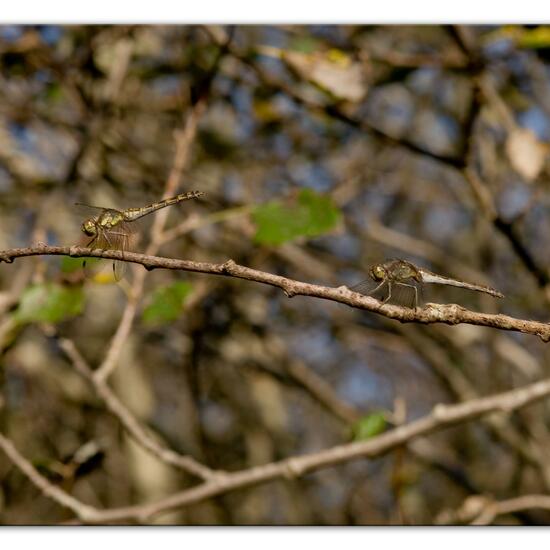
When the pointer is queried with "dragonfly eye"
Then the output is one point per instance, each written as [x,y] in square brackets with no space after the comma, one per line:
[377,273]
[88,227]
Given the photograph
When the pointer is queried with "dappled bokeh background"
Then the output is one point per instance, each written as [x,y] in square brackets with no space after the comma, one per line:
[321,150]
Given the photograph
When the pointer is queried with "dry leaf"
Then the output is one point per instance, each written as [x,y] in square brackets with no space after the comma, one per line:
[332,70]
[337,74]
[526,153]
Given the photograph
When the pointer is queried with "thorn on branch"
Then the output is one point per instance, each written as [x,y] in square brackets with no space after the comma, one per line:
[228,266]
[289,292]
[292,470]
[439,412]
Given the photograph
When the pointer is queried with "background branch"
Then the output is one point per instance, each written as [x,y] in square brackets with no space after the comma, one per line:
[440,417]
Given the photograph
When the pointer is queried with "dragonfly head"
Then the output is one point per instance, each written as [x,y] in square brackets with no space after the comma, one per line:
[89,227]
[377,272]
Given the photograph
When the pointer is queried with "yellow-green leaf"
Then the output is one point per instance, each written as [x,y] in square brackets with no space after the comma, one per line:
[166,303]
[311,215]
[369,426]
[535,38]
[69,265]
[49,303]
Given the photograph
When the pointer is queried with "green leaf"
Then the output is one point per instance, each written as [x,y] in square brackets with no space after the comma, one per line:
[49,303]
[369,426]
[537,38]
[305,44]
[166,303]
[311,215]
[54,92]
[68,264]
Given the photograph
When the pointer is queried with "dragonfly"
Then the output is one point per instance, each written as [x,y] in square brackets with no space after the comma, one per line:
[112,229]
[394,274]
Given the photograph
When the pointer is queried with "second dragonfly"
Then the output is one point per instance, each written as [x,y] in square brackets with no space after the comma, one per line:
[403,274]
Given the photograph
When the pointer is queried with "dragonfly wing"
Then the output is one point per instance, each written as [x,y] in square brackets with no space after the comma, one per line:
[364,287]
[404,294]
[401,294]
[90,206]
[368,287]
[119,239]
[116,238]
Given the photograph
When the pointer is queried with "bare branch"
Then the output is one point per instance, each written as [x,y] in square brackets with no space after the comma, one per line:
[510,506]
[81,510]
[450,314]
[184,140]
[440,417]
[126,418]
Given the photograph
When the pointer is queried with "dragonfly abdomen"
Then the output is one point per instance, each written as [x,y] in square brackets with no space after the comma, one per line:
[428,277]
[131,214]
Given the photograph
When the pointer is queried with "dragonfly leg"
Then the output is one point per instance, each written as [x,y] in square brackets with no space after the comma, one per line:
[88,246]
[389,292]
[376,289]
[415,293]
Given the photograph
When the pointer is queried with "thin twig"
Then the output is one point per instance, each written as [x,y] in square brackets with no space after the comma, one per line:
[441,416]
[510,506]
[128,420]
[81,510]
[184,140]
[451,314]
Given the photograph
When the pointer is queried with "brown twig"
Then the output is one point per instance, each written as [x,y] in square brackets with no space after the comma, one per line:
[441,416]
[184,140]
[451,314]
[81,510]
[510,506]
[463,390]
[128,420]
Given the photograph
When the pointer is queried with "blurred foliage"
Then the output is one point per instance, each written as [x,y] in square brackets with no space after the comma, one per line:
[311,215]
[49,303]
[321,150]
[369,426]
[166,303]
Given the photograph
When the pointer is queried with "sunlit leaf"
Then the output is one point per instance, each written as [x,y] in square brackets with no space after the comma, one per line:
[49,303]
[332,70]
[369,426]
[526,153]
[311,215]
[166,303]
[535,38]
